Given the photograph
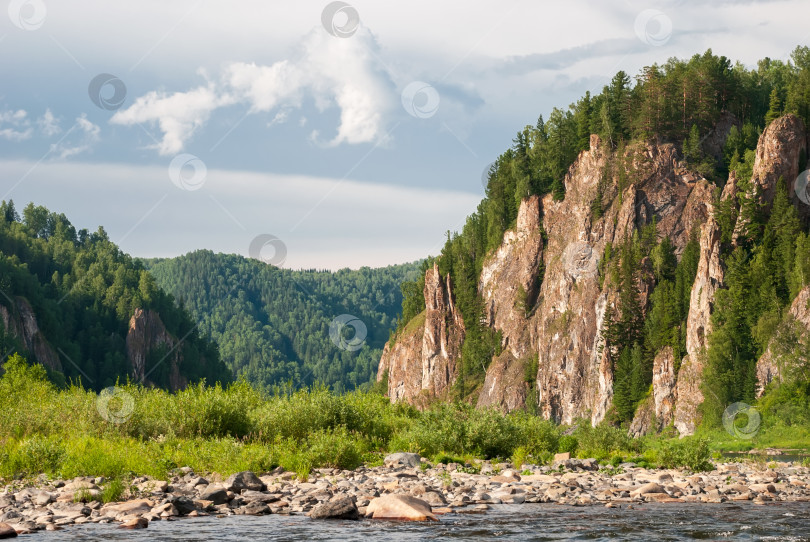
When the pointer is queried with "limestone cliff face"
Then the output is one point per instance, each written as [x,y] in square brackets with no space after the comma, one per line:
[423,363]
[21,322]
[689,395]
[656,411]
[556,322]
[444,334]
[509,285]
[147,334]
[510,279]
[574,378]
[768,369]
[777,156]
[708,280]
[778,152]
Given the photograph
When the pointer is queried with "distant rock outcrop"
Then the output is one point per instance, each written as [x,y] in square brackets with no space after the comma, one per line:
[148,334]
[423,363]
[21,323]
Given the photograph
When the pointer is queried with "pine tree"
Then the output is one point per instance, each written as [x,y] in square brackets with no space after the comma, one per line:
[775,108]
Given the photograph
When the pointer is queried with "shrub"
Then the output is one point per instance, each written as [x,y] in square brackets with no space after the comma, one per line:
[602,441]
[691,453]
[568,443]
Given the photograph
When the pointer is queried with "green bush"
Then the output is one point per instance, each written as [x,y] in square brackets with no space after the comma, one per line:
[690,453]
[602,441]
[568,444]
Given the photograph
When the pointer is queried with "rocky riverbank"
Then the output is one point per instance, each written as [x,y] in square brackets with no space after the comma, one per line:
[405,488]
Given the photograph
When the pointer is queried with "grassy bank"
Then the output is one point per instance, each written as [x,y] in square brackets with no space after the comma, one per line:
[72,432]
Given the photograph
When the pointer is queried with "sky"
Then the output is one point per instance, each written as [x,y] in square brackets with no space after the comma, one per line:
[315,134]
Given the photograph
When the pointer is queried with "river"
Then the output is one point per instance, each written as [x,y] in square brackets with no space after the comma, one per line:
[728,521]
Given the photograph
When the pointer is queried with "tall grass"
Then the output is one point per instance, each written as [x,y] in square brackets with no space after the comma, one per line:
[62,432]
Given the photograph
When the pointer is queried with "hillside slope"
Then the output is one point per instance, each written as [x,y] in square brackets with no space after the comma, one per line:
[277,326]
[72,301]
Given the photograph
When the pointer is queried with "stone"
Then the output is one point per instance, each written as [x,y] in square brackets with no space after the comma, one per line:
[563,456]
[402,459]
[651,487]
[127,508]
[184,504]
[400,507]
[256,508]
[244,480]
[216,495]
[136,523]
[341,508]
[6,531]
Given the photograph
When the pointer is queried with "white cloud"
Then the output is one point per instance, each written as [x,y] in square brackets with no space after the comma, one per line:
[15,126]
[333,71]
[48,124]
[80,138]
[178,115]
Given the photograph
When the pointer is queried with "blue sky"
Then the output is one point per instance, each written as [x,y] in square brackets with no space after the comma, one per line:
[355,143]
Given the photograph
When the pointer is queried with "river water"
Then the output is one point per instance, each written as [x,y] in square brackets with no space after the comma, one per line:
[728,521]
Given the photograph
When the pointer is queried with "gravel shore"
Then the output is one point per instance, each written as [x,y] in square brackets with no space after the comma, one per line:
[405,488]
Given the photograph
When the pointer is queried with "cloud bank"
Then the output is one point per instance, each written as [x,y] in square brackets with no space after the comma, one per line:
[333,72]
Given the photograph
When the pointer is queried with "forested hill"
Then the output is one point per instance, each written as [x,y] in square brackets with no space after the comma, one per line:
[273,325]
[72,301]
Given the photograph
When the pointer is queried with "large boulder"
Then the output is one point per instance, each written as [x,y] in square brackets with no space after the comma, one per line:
[244,480]
[6,531]
[216,495]
[342,508]
[400,507]
[402,459]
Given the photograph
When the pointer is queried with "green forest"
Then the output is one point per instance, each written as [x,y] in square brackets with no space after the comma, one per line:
[679,102]
[83,291]
[273,325]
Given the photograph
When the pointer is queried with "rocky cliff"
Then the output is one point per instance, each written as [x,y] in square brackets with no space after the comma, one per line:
[423,363]
[146,335]
[774,364]
[542,289]
[20,322]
